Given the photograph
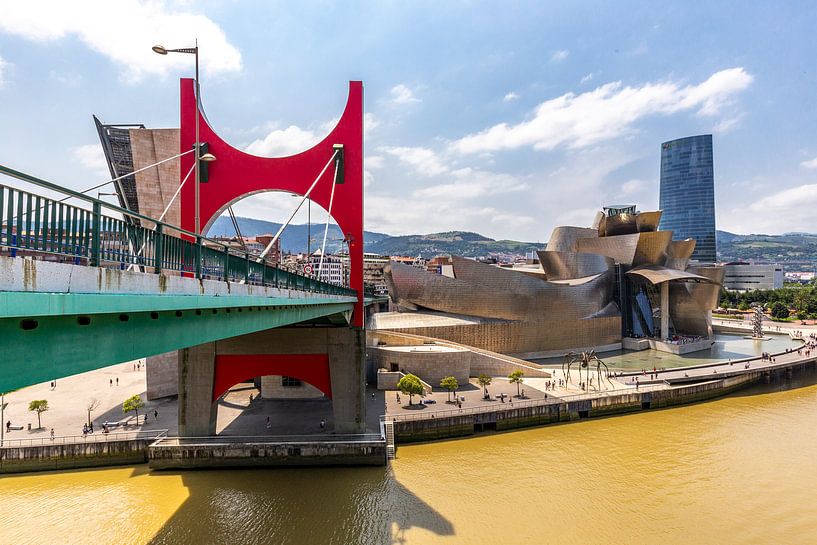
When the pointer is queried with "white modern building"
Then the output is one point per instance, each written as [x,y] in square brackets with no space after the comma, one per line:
[749,277]
[334,269]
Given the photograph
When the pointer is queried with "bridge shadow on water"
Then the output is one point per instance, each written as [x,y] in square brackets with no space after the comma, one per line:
[364,505]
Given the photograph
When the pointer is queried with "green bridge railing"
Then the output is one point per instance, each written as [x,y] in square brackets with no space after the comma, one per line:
[32,224]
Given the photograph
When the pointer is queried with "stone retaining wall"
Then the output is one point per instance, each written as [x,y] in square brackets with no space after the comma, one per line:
[509,417]
[194,456]
[74,455]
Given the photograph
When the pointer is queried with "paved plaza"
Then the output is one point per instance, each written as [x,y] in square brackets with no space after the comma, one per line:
[111,386]
[237,416]
[67,402]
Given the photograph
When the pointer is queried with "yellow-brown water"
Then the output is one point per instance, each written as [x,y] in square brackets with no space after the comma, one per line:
[741,469]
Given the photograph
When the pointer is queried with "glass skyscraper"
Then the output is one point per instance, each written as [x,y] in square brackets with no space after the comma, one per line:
[688,193]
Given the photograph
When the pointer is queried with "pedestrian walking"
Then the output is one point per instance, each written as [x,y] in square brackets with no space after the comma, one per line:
[323,424]
[52,434]
[155,414]
[269,425]
[110,382]
[117,381]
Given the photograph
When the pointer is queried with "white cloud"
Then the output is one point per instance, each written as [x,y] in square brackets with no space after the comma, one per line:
[727,124]
[811,163]
[91,157]
[284,142]
[605,113]
[4,64]
[293,139]
[560,55]
[403,216]
[74,80]
[424,160]
[124,31]
[633,187]
[400,94]
[374,161]
[510,97]
[790,209]
[587,78]
[370,123]
[472,184]
[788,200]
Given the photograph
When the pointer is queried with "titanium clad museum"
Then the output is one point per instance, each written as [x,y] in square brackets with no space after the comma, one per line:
[618,283]
[688,193]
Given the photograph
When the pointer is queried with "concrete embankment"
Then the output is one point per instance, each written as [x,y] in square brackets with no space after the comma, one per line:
[173,454]
[457,424]
[73,455]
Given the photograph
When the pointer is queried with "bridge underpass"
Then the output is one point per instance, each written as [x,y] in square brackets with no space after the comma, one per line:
[81,289]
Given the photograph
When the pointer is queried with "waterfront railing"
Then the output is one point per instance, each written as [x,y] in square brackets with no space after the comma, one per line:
[269,439]
[424,414]
[97,437]
[99,234]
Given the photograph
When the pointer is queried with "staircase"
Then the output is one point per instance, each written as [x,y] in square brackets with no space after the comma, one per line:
[388,429]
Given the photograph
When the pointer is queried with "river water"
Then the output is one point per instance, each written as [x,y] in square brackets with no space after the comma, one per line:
[740,469]
[724,347]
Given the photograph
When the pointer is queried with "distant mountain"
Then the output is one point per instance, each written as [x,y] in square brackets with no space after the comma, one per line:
[725,237]
[293,239]
[461,243]
[452,242]
[797,249]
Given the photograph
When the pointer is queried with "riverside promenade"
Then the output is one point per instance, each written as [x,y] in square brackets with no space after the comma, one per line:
[626,392]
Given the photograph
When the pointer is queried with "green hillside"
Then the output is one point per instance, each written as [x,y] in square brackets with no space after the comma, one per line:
[789,247]
[452,242]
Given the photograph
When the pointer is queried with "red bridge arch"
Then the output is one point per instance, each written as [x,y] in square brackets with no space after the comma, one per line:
[310,368]
[236,174]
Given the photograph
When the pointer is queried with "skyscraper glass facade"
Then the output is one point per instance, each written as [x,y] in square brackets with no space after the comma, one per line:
[688,193]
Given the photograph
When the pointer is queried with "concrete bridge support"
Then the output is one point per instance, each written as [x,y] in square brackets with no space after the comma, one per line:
[197,411]
[239,357]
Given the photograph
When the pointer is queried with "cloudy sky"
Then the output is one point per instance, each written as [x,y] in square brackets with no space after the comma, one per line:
[506,119]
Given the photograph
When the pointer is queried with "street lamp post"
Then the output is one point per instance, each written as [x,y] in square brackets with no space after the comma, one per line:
[161,50]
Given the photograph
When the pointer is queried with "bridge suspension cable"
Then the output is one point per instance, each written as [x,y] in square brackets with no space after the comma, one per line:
[300,203]
[23,214]
[328,217]
[134,172]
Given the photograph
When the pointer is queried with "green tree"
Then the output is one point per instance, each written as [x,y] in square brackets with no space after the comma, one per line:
[516,378]
[779,311]
[411,386]
[450,384]
[484,381]
[133,403]
[39,406]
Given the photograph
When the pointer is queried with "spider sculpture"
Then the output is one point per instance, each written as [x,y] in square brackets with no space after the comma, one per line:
[585,360]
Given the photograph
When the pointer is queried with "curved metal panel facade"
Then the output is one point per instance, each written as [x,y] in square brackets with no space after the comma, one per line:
[563,239]
[568,265]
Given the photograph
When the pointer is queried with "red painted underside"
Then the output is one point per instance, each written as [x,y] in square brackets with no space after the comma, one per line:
[236,174]
[310,368]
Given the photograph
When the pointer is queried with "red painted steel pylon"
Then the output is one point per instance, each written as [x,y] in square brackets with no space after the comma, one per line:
[236,174]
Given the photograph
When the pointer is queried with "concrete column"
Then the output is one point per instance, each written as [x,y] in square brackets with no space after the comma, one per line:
[197,412]
[664,310]
[162,375]
[347,353]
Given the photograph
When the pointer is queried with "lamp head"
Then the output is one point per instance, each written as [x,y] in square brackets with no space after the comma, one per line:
[207,158]
[159,49]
